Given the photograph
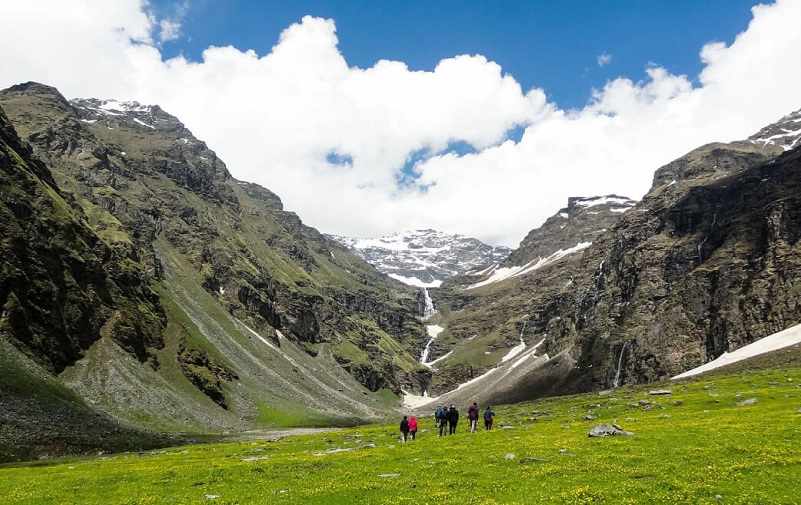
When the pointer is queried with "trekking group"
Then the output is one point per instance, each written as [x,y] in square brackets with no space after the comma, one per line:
[446,419]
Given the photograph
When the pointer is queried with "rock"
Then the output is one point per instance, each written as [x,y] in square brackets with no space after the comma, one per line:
[507,427]
[389,475]
[658,392]
[749,401]
[334,451]
[608,430]
[510,456]
[589,417]
[255,458]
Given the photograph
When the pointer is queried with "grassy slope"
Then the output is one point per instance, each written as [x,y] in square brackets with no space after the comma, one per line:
[693,446]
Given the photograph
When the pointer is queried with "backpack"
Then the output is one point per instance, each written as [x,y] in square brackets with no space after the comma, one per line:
[439,413]
[488,415]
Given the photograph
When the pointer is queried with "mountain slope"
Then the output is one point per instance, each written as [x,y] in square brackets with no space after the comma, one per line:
[707,262]
[61,290]
[245,316]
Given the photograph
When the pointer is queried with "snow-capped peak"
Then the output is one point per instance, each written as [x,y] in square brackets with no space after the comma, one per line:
[785,133]
[424,258]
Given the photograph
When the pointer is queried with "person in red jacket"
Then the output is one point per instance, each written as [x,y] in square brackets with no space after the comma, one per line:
[412,427]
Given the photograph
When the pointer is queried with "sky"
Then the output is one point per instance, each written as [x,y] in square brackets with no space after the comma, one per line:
[471,117]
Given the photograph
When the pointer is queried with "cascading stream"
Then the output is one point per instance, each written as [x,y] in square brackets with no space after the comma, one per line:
[616,382]
[433,330]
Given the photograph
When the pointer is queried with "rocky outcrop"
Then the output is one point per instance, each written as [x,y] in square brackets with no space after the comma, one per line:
[61,286]
[205,372]
[581,222]
[705,265]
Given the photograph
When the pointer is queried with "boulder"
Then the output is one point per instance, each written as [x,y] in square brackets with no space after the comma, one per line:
[608,430]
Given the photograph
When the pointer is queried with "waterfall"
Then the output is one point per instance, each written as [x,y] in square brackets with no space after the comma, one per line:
[523,330]
[433,330]
[428,308]
[701,245]
[424,355]
[616,382]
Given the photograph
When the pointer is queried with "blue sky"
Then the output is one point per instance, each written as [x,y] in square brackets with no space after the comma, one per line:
[554,45]
[478,118]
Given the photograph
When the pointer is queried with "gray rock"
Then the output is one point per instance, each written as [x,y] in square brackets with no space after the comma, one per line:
[608,430]
[658,392]
[749,401]
[389,475]
[510,456]
[254,458]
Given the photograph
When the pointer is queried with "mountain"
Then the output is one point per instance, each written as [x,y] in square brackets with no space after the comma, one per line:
[146,292]
[705,263]
[424,258]
[485,313]
[143,281]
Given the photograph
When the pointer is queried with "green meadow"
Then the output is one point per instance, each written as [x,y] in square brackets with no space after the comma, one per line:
[731,437]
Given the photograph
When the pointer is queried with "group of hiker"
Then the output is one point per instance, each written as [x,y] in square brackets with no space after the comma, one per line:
[408,428]
[446,420]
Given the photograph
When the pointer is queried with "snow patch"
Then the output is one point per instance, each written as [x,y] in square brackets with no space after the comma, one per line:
[415,282]
[136,120]
[785,338]
[504,273]
[601,200]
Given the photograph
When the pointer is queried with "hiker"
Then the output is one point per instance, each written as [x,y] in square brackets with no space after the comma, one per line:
[489,417]
[412,427]
[443,421]
[453,419]
[404,429]
[438,416]
[472,416]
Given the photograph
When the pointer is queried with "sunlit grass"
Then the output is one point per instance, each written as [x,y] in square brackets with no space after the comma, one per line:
[692,446]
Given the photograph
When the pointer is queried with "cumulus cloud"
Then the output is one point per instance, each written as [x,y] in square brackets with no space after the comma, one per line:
[604,59]
[369,151]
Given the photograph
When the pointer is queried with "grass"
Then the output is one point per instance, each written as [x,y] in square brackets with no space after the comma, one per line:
[270,416]
[695,445]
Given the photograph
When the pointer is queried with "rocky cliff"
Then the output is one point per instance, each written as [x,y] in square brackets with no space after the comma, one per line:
[707,262]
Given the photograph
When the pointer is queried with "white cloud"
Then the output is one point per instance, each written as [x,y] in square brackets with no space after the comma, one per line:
[170,30]
[274,118]
[604,59]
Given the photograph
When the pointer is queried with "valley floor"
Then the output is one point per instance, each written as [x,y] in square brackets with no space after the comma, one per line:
[730,436]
